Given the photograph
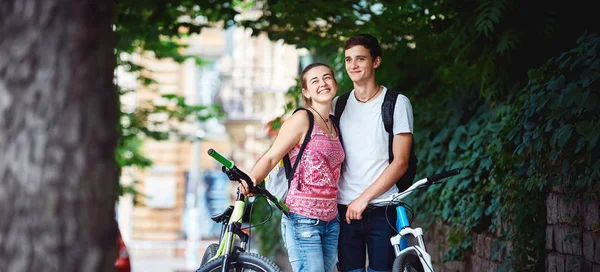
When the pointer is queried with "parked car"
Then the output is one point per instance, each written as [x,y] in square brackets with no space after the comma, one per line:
[122,264]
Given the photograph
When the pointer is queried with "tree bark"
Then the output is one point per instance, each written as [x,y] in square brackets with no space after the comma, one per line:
[58,133]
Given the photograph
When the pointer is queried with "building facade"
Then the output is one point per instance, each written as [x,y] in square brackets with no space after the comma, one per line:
[248,77]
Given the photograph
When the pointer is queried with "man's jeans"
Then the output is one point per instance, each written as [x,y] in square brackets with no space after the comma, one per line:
[311,243]
[372,233]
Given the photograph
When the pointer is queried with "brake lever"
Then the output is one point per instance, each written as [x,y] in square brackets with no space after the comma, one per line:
[234,174]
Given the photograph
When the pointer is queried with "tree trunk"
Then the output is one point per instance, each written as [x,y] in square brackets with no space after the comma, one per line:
[58,133]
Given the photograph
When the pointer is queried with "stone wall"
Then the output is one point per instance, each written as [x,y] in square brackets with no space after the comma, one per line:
[572,239]
[572,233]
[481,257]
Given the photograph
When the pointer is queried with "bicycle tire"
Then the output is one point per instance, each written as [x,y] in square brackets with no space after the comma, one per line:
[210,252]
[407,262]
[245,260]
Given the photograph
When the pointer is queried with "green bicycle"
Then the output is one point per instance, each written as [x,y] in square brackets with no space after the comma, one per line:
[226,255]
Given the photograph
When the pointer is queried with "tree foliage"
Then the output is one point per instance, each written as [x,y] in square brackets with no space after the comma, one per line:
[158,28]
[478,76]
[486,98]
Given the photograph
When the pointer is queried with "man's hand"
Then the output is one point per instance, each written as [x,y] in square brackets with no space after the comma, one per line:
[245,189]
[355,209]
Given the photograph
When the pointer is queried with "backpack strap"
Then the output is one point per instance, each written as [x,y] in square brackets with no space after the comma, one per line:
[289,171]
[387,115]
[340,105]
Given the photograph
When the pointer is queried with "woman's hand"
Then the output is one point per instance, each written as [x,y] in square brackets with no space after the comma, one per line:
[245,189]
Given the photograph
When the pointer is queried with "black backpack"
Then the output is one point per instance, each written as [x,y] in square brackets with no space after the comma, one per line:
[387,115]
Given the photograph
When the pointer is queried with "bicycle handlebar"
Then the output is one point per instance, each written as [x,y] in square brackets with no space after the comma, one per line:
[396,198]
[432,179]
[235,174]
[225,162]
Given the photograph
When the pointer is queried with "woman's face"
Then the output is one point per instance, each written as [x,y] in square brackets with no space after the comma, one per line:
[320,85]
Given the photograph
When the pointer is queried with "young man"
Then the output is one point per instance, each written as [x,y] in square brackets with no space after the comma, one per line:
[368,176]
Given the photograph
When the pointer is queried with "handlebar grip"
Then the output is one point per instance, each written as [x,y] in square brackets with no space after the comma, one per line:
[227,163]
[443,175]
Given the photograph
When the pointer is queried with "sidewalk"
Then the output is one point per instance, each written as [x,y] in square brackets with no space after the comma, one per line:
[164,256]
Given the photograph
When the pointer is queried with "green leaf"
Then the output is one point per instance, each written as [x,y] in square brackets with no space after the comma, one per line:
[563,134]
[549,126]
[530,125]
[556,83]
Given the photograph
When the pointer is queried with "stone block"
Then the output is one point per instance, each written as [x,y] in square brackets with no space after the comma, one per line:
[555,263]
[592,215]
[509,247]
[596,268]
[596,237]
[567,239]
[477,245]
[552,209]
[455,266]
[479,264]
[570,212]
[590,243]
[487,247]
[576,263]
[558,188]
[549,237]
[498,250]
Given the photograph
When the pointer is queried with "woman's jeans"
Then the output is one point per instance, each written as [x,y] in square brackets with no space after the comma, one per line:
[311,243]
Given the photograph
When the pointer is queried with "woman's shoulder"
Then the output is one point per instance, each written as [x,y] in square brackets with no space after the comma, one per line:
[300,117]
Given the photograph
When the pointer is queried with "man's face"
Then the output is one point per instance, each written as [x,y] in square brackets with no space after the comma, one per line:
[360,66]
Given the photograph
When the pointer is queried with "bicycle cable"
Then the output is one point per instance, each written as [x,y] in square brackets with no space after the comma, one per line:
[421,254]
[250,218]
[399,203]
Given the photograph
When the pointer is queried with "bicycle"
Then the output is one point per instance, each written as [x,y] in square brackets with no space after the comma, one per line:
[411,257]
[225,255]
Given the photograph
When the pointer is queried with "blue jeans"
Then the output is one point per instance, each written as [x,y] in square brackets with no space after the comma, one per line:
[370,234]
[311,243]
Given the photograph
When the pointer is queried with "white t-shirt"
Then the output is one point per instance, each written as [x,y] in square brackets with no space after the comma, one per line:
[366,143]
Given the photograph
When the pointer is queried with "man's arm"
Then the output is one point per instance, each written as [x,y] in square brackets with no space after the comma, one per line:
[401,148]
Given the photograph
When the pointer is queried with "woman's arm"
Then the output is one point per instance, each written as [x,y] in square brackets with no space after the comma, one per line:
[291,133]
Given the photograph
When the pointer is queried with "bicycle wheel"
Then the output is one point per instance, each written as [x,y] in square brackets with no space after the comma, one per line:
[210,252]
[408,262]
[245,261]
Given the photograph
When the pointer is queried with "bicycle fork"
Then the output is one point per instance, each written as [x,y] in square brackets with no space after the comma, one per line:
[233,228]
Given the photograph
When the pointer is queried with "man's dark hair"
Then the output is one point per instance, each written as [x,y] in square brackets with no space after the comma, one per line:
[366,40]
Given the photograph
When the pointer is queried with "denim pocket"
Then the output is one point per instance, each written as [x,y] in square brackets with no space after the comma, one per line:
[304,227]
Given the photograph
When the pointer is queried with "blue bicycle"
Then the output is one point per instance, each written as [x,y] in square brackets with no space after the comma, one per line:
[411,257]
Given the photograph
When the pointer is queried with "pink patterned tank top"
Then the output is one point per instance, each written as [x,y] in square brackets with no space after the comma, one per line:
[318,173]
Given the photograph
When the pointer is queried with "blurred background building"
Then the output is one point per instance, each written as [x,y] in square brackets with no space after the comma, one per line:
[247,76]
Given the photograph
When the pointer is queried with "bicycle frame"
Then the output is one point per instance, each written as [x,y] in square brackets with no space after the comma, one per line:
[232,228]
[418,249]
[397,241]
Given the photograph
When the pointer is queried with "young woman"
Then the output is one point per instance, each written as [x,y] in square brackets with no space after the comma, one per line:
[310,233]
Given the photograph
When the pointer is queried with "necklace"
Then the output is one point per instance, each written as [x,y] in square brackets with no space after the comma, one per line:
[378,88]
[324,121]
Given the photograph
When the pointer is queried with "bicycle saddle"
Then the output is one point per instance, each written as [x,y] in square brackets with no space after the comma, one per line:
[224,215]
